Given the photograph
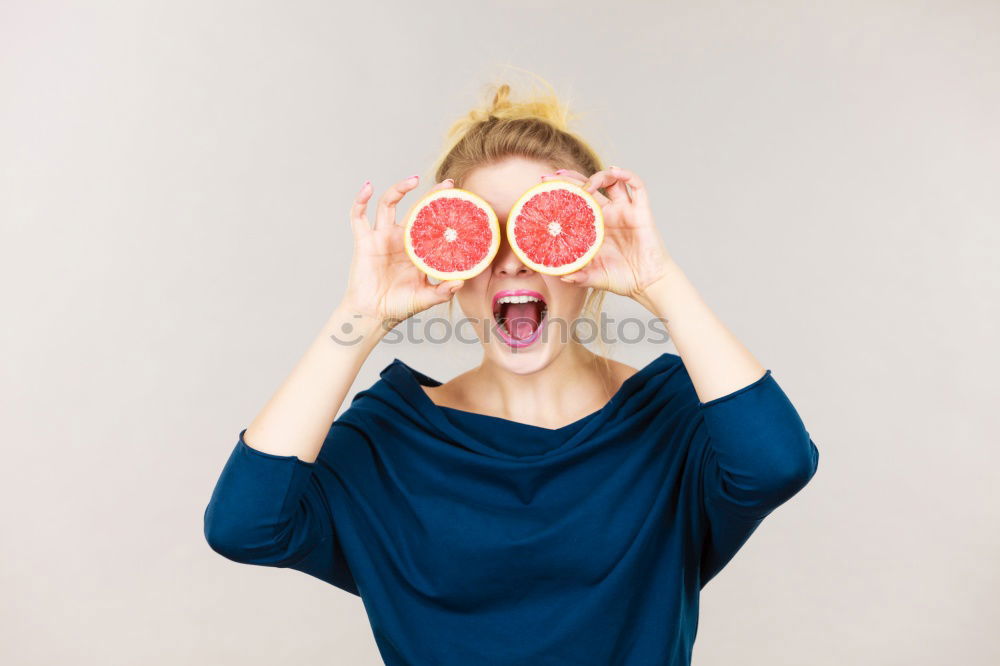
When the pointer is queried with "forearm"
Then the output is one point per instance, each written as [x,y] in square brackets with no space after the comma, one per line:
[298,416]
[717,362]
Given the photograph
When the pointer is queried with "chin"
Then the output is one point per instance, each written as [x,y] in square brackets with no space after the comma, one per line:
[523,357]
[521,362]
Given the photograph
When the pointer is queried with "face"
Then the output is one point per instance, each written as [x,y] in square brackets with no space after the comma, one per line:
[522,337]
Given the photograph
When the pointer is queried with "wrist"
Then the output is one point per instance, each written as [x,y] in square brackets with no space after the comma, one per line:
[349,325]
[654,295]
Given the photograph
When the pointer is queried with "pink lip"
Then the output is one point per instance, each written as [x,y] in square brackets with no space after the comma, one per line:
[515,292]
[511,342]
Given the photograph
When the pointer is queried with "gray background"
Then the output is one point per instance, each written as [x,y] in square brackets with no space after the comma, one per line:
[176,178]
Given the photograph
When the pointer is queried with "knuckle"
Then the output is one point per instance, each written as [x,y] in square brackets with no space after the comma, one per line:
[390,197]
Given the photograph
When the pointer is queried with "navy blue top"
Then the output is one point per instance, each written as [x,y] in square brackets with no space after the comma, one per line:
[472,539]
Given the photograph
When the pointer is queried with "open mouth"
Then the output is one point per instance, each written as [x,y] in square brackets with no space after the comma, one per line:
[519,315]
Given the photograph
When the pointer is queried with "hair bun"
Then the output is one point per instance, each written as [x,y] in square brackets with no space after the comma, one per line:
[535,125]
[543,104]
[501,99]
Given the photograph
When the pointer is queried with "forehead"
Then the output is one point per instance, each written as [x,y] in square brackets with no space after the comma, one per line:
[503,183]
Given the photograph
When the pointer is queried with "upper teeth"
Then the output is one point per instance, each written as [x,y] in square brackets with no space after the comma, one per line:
[518,299]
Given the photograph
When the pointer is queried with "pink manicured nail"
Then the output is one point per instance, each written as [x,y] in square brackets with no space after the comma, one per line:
[413,176]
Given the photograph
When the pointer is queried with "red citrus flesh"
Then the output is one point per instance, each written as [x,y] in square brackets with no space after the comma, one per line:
[452,234]
[556,227]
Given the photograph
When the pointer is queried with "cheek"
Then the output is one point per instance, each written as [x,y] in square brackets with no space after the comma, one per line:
[472,297]
[569,299]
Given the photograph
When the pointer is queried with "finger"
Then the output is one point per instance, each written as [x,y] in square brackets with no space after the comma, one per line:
[585,277]
[359,220]
[570,174]
[434,294]
[636,186]
[608,180]
[449,286]
[385,216]
[444,184]
[578,179]
[618,191]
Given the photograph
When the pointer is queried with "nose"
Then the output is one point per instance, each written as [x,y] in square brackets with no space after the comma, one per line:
[506,263]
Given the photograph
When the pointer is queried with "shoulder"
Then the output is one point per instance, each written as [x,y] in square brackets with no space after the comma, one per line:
[664,365]
[452,392]
[395,398]
[618,372]
[664,382]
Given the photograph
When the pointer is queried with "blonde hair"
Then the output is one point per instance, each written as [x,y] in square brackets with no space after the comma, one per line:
[536,127]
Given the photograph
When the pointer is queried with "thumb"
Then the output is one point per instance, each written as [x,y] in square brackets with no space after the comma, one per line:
[433,294]
[450,287]
[582,278]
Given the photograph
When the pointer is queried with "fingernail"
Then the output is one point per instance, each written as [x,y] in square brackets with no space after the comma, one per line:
[365,184]
[413,176]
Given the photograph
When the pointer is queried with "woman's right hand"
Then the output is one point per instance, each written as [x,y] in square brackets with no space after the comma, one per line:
[384,284]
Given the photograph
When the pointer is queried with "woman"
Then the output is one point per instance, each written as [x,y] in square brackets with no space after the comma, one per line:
[549,506]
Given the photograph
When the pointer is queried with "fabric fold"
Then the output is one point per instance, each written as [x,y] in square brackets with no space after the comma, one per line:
[271,510]
[756,456]
[469,547]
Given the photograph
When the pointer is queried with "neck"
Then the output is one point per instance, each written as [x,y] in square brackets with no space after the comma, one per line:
[573,385]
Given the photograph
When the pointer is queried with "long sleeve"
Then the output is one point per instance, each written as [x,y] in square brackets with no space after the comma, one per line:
[271,510]
[758,455]
[480,540]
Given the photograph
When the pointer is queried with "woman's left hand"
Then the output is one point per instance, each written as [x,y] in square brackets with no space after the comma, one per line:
[632,256]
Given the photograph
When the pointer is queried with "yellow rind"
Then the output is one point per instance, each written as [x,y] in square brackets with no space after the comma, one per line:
[585,258]
[454,192]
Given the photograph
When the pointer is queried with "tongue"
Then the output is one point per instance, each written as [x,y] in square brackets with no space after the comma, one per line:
[522,319]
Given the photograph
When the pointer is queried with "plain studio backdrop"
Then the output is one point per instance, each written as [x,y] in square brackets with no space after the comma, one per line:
[175,180]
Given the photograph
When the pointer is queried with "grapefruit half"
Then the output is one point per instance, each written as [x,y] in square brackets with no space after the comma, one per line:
[451,234]
[556,227]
